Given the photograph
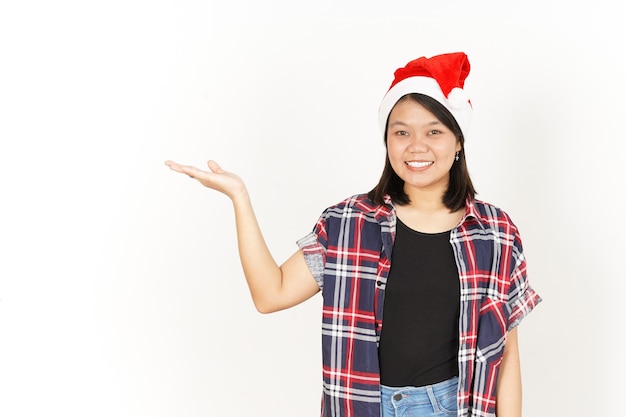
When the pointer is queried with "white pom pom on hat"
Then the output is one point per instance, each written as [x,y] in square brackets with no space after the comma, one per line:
[441,77]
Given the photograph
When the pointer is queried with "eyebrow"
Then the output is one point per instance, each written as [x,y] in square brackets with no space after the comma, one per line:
[401,123]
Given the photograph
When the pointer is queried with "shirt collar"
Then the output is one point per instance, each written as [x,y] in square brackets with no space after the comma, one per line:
[384,212]
[471,211]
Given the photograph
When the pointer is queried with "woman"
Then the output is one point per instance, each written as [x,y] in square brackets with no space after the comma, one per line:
[446,271]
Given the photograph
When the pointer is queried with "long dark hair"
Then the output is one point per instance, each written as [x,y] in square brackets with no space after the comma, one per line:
[460,185]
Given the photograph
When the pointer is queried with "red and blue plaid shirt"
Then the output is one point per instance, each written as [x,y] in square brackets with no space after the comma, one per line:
[349,254]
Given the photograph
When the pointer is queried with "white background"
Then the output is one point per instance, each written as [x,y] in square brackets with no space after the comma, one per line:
[120,287]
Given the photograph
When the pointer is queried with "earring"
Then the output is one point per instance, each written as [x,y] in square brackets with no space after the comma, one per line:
[456,157]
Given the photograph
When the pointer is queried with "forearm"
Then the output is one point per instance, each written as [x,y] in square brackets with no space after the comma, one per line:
[509,389]
[262,273]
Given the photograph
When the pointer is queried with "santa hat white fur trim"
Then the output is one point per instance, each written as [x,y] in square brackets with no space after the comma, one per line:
[457,102]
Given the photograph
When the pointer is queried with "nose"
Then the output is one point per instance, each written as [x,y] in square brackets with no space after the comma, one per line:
[418,143]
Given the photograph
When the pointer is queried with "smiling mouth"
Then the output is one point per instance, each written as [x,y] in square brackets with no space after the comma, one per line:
[415,164]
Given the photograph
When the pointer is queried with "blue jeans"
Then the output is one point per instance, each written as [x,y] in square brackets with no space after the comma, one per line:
[430,400]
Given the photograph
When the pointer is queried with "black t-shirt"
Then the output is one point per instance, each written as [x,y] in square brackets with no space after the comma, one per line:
[420,334]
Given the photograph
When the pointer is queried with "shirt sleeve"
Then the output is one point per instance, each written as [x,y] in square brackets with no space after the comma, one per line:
[522,298]
[313,245]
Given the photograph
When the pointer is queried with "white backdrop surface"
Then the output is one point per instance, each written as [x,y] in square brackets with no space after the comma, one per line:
[120,287]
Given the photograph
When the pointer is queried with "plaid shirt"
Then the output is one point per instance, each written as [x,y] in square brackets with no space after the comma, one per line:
[349,253]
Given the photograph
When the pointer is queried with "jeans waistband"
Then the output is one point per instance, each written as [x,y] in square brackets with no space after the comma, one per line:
[425,393]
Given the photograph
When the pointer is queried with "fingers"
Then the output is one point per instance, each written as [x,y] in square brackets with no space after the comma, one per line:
[174,166]
[193,171]
[185,169]
[214,167]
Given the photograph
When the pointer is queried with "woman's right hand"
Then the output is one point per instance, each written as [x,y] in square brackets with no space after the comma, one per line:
[217,179]
[272,287]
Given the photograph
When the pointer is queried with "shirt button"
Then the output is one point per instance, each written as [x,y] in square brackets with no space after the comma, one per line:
[379,283]
[397,397]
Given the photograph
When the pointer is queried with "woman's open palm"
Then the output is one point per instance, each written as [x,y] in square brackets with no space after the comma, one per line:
[217,179]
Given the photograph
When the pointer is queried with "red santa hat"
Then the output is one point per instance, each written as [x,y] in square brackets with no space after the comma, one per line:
[441,77]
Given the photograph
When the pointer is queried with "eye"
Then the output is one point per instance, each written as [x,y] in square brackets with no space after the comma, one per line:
[434,132]
[402,133]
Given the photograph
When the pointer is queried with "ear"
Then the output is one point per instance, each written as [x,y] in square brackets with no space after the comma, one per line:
[459,148]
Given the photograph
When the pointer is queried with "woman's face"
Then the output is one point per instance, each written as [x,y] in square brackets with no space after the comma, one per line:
[421,148]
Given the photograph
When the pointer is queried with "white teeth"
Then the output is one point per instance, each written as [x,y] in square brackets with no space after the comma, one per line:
[414,164]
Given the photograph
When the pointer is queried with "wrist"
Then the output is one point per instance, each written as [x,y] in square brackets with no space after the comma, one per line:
[240,197]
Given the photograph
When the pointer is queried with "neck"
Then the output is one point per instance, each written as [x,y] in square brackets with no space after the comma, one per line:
[426,201]
[427,213]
